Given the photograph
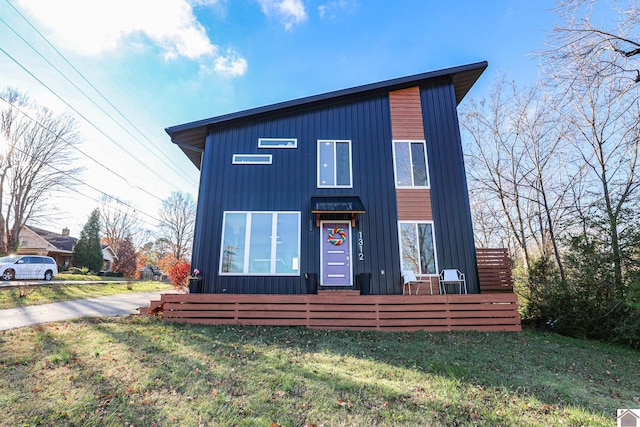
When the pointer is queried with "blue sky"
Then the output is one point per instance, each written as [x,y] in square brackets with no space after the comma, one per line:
[167,62]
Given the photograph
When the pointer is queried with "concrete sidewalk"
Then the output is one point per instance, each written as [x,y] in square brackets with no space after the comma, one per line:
[114,305]
[15,283]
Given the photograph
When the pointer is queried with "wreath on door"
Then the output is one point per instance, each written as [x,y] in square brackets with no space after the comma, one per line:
[337,236]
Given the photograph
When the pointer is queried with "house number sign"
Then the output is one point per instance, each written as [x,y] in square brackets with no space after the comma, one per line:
[360,244]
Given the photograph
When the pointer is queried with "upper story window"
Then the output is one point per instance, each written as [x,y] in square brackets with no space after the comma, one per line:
[334,164]
[411,166]
[277,142]
[252,159]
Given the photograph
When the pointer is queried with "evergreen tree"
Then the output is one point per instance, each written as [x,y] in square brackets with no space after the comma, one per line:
[127,259]
[88,250]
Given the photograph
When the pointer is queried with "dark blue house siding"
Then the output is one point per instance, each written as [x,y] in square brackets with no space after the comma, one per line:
[449,194]
[290,182]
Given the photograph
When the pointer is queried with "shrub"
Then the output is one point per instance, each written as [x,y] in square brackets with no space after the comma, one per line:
[76,270]
[179,274]
[587,304]
[627,331]
[537,290]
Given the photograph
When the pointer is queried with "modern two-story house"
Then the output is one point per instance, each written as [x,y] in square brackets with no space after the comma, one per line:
[338,189]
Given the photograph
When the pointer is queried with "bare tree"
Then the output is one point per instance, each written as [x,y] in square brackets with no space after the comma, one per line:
[514,166]
[596,71]
[496,165]
[119,222]
[607,138]
[36,161]
[580,49]
[178,216]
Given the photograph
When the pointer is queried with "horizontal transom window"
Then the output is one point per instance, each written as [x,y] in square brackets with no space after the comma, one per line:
[260,243]
[277,143]
[252,159]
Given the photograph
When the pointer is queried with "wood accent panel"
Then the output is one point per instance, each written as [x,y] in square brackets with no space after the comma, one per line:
[406,114]
[414,204]
[494,312]
[494,270]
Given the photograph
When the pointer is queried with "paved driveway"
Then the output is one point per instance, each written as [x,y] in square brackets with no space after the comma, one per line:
[114,305]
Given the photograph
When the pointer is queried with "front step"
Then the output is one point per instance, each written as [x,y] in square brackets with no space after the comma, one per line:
[341,292]
[154,308]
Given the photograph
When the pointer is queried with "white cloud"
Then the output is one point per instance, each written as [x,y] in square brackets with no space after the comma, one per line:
[331,8]
[230,65]
[94,28]
[289,12]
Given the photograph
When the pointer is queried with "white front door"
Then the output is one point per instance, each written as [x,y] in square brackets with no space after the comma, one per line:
[335,253]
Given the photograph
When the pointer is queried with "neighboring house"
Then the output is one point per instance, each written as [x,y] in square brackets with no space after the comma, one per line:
[109,257]
[59,246]
[151,272]
[360,183]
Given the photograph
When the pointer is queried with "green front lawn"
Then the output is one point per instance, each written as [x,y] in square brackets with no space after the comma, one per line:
[146,372]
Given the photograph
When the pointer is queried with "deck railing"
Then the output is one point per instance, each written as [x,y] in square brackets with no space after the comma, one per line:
[496,312]
[494,309]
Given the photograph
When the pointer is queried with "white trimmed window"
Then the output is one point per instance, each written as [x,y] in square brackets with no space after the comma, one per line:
[417,247]
[260,243]
[277,143]
[252,159]
[334,164]
[410,163]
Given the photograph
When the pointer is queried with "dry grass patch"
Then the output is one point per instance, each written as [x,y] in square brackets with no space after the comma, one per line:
[23,295]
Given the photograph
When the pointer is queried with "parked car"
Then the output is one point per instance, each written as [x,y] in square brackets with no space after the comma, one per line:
[27,267]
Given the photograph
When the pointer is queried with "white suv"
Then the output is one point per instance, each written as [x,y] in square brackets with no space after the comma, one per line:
[27,267]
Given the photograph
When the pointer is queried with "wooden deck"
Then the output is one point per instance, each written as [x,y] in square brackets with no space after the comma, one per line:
[335,310]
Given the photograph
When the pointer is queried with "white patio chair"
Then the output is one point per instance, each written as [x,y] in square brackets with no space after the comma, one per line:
[452,277]
[409,277]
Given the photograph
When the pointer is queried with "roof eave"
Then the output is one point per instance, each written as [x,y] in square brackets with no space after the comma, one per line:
[191,137]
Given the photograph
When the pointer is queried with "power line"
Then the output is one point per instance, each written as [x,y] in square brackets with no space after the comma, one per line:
[79,150]
[122,202]
[170,165]
[119,201]
[83,116]
[73,190]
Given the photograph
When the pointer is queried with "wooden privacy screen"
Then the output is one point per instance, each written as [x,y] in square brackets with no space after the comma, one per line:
[494,270]
[496,312]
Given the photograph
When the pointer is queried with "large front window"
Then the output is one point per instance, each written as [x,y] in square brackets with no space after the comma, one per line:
[261,243]
[417,248]
[334,164]
[410,160]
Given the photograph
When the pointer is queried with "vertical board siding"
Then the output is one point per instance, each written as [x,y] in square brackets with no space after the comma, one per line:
[406,114]
[449,193]
[414,205]
[289,183]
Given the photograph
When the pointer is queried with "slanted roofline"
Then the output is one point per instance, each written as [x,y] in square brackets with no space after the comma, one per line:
[190,137]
